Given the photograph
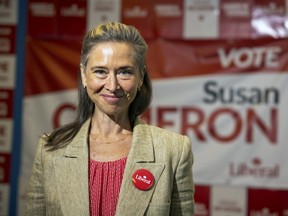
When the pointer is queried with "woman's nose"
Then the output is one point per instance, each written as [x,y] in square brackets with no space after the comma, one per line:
[112,83]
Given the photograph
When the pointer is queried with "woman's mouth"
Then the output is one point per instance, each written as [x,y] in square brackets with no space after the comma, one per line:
[111,98]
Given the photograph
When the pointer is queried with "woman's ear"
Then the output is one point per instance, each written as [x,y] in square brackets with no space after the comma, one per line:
[83,77]
[140,83]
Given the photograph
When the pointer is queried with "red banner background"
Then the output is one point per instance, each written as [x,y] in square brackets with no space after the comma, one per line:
[56,28]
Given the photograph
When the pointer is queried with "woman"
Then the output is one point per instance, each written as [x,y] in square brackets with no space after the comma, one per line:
[108,161]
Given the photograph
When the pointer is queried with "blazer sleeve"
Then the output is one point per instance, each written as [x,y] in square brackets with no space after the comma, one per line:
[182,202]
[35,199]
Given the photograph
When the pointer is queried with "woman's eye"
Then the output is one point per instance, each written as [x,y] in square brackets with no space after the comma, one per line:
[100,73]
[125,72]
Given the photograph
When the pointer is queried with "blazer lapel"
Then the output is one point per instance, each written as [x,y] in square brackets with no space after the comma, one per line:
[71,170]
[133,201]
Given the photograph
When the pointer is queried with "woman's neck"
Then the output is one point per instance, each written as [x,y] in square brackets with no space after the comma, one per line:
[107,127]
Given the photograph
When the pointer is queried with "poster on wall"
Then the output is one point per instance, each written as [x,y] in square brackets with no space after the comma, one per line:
[8,27]
[218,85]
[230,100]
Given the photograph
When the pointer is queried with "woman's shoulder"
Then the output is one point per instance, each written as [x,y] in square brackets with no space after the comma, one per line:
[169,142]
[45,149]
[158,130]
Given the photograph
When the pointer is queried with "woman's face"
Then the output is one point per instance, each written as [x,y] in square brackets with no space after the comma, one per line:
[112,77]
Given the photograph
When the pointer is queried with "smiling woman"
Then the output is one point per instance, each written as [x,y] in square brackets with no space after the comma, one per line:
[112,78]
[108,161]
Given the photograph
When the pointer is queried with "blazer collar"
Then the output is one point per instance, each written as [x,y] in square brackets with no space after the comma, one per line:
[79,145]
[142,149]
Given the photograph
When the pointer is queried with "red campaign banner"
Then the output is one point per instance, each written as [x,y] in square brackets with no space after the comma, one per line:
[169,18]
[49,63]
[202,200]
[235,19]
[6,103]
[4,167]
[7,39]
[166,18]
[52,65]
[72,18]
[139,14]
[42,18]
[267,202]
[165,59]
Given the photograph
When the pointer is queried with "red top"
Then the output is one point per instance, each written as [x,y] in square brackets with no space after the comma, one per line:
[104,184]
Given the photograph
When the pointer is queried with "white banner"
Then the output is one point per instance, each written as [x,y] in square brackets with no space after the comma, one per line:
[101,11]
[237,124]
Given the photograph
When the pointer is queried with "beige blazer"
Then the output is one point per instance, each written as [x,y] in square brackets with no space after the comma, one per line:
[59,180]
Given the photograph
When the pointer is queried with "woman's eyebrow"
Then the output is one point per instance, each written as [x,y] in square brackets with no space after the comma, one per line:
[98,67]
[125,67]
[105,68]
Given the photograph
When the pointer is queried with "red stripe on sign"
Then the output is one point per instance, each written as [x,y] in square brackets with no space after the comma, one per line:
[52,65]
[168,59]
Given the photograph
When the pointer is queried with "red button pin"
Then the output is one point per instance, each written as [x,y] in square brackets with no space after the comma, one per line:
[143,179]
